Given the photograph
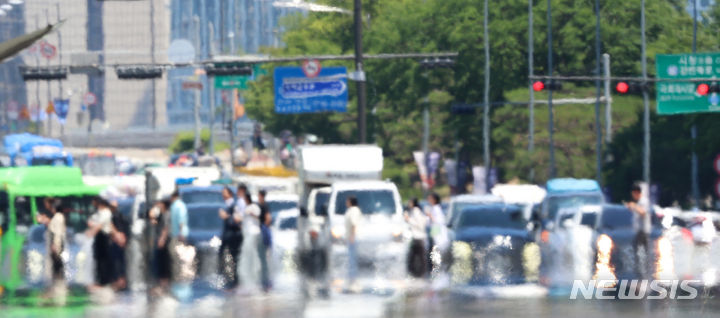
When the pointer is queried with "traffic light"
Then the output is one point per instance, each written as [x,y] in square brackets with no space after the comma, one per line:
[139,72]
[437,62]
[705,88]
[30,73]
[462,109]
[549,84]
[629,87]
[214,69]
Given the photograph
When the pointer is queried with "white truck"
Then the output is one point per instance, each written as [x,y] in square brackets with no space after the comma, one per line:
[328,175]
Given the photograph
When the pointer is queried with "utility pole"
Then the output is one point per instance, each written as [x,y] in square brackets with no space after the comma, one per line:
[646,105]
[598,128]
[550,93]
[153,84]
[211,88]
[693,129]
[426,143]
[49,93]
[198,93]
[608,104]
[60,86]
[38,123]
[531,91]
[359,73]
[486,110]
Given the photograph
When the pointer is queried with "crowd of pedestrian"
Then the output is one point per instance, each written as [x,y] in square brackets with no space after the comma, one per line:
[243,250]
[428,230]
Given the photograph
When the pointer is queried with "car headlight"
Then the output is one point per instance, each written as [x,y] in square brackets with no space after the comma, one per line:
[215,242]
[397,232]
[603,268]
[665,264]
[604,244]
[531,261]
[461,269]
[338,232]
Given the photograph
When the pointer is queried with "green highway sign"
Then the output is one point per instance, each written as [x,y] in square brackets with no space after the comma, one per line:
[680,97]
[231,81]
[238,81]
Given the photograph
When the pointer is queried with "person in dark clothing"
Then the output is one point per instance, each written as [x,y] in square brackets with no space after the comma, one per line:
[100,226]
[118,243]
[640,209]
[266,243]
[232,238]
[161,259]
[418,222]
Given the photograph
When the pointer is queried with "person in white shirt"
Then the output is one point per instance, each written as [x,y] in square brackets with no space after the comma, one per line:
[438,226]
[240,201]
[418,223]
[249,258]
[353,218]
[54,220]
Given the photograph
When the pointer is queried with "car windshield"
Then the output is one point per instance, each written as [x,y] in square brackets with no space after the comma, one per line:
[288,223]
[201,196]
[616,218]
[555,204]
[321,201]
[369,201]
[77,210]
[277,206]
[48,162]
[204,218]
[457,208]
[509,217]
[589,219]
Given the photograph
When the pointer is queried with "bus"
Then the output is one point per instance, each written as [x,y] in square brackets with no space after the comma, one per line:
[22,190]
[32,150]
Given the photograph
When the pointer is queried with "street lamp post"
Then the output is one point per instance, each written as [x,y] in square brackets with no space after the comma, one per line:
[359,73]
[486,101]
[646,106]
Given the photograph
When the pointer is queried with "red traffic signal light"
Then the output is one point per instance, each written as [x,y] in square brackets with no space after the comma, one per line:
[538,86]
[622,87]
[703,89]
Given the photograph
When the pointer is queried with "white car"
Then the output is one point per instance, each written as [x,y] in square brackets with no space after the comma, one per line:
[284,230]
[277,202]
[381,233]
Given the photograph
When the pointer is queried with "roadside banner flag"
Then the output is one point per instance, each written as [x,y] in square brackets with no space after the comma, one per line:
[50,108]
[61,109]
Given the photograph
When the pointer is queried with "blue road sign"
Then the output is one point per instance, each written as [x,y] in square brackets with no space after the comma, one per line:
[297,93]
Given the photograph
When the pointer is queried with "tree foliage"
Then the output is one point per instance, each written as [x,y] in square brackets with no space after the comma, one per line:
[398,90]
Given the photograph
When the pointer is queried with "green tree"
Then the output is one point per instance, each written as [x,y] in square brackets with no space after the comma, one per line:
[398,90]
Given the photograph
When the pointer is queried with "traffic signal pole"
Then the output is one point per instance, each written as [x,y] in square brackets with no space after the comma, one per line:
[646,105]
[598,128]
[531,104]
[693,130]
[486,110]
[360,74]
[608,103]
[550,93]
